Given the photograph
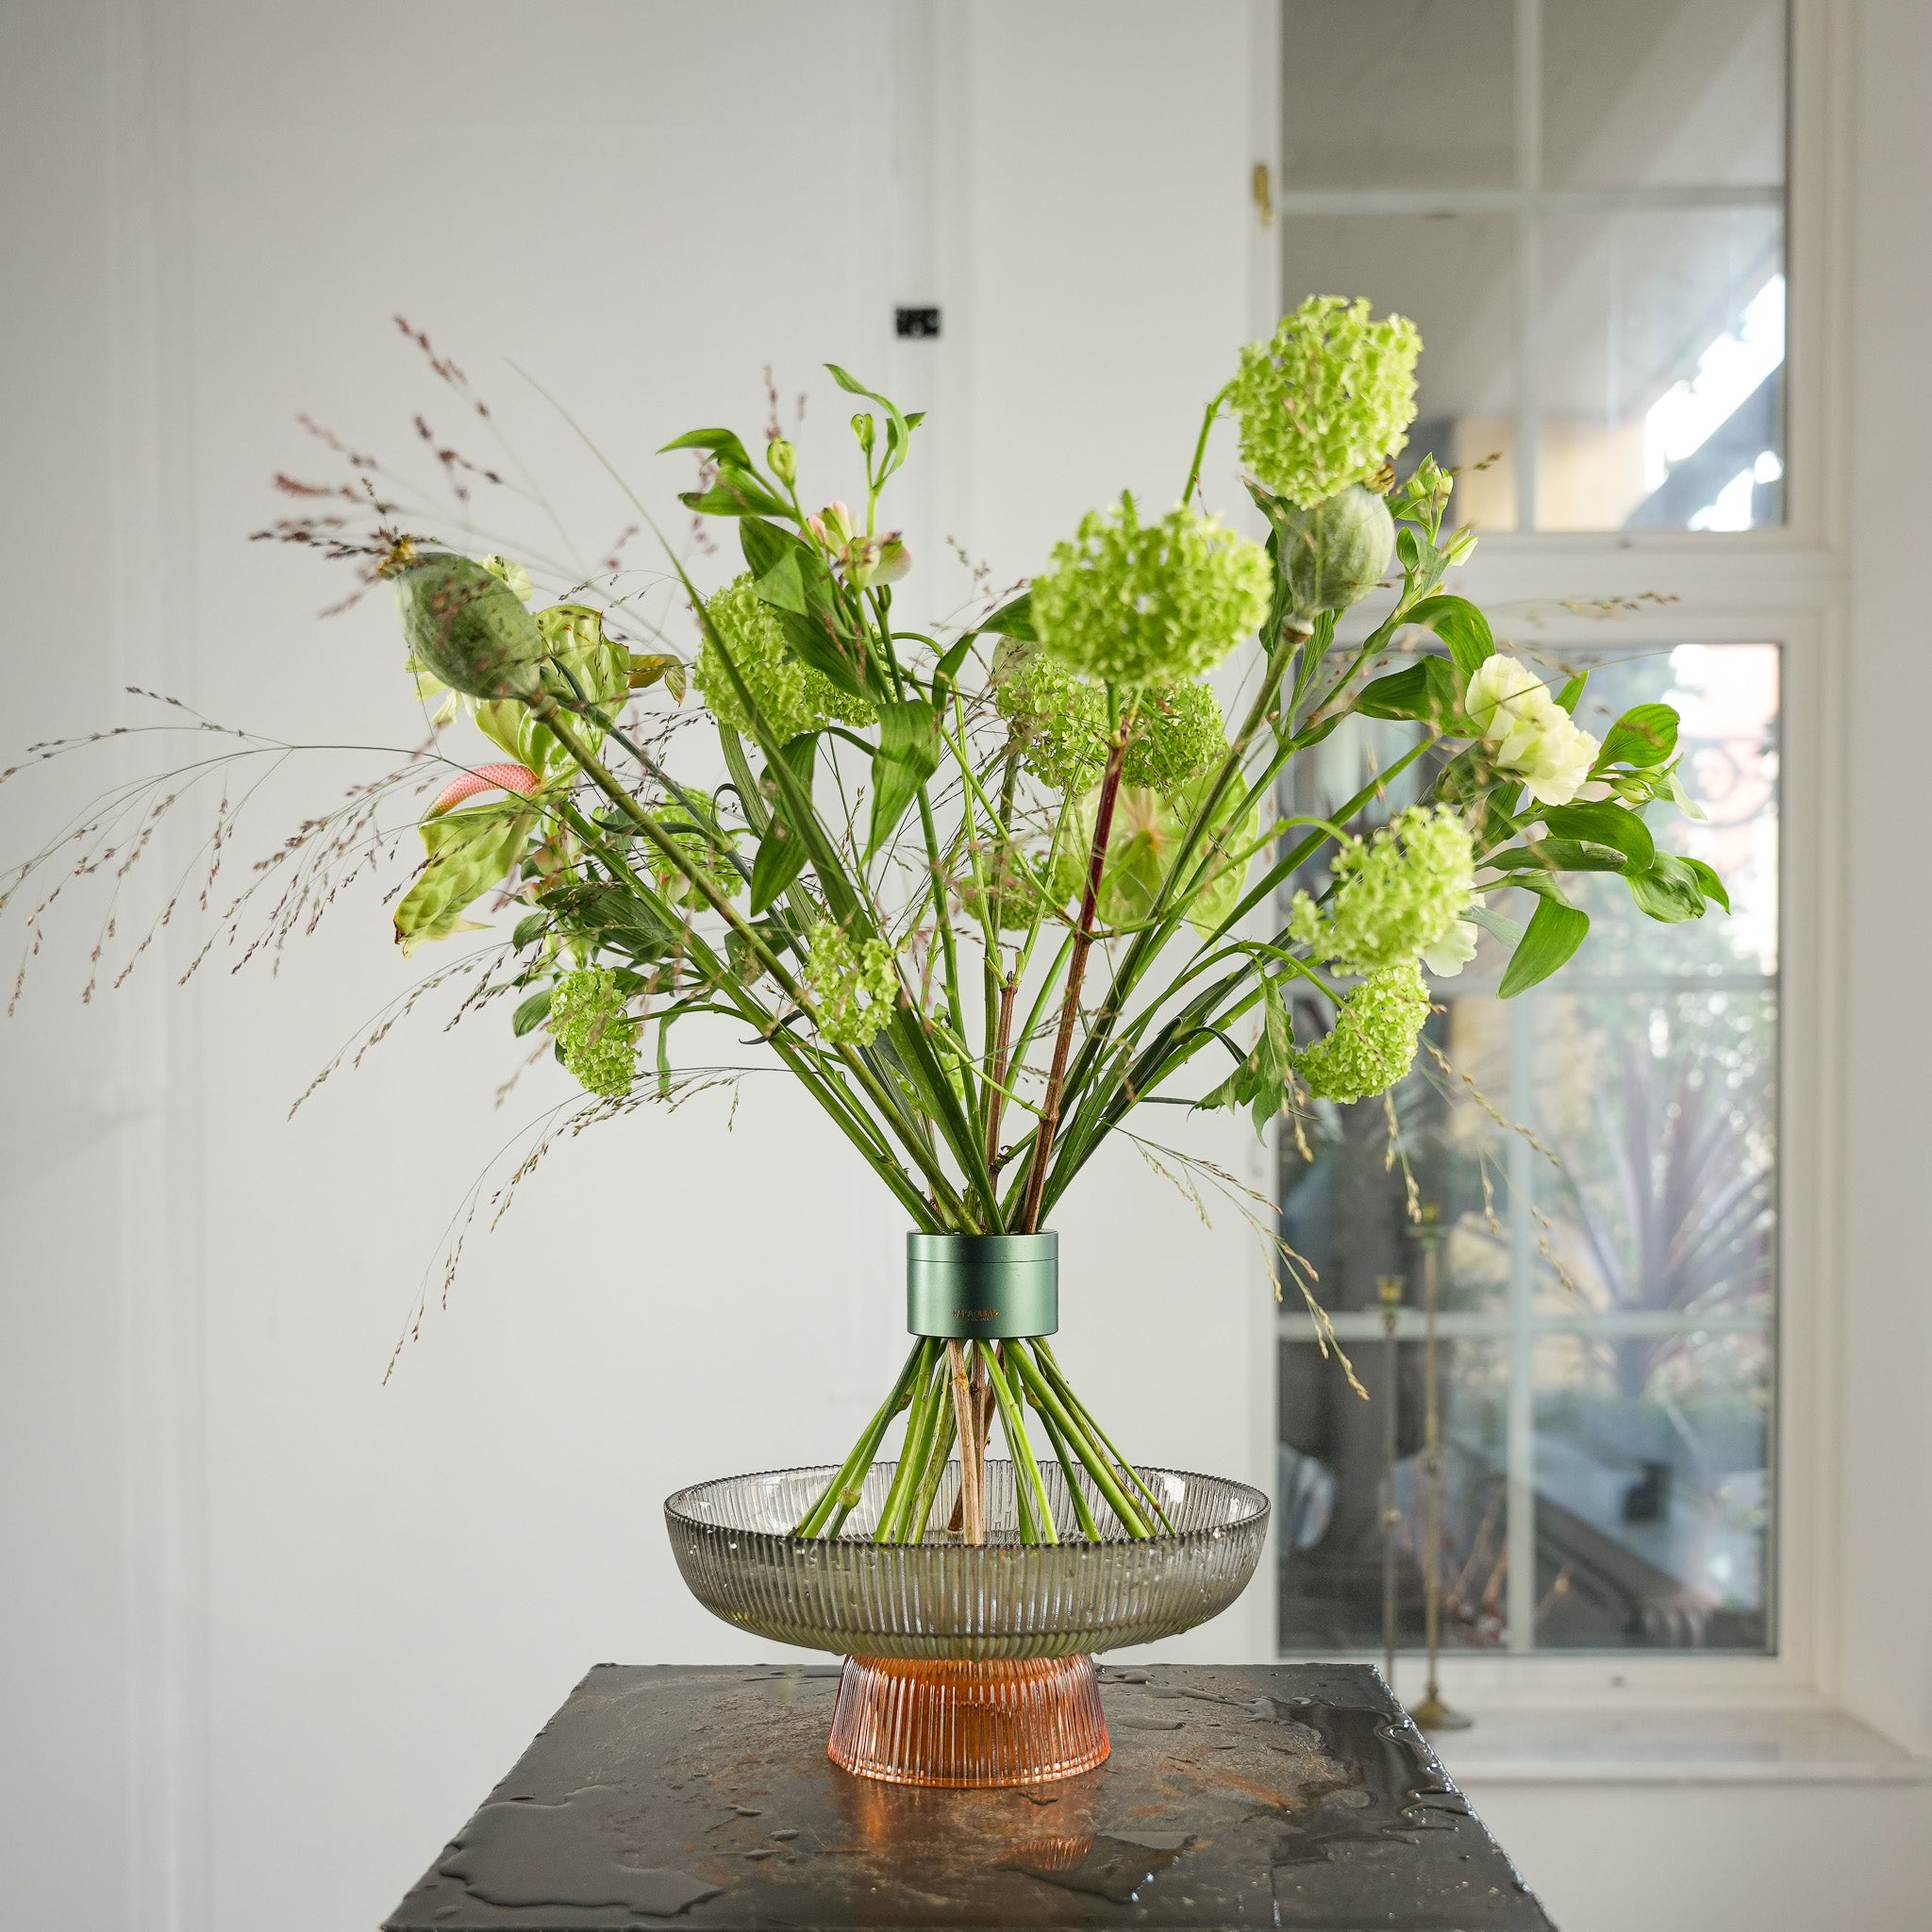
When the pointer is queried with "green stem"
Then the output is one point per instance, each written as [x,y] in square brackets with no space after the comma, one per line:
[912,1451]
[845,1489]
[1089,1527]
[1029,1487]
[1142,947]
[945,1433]
[1201,442]
[1097,1467]
[851,1120]
[1076,968]
[1051,1365]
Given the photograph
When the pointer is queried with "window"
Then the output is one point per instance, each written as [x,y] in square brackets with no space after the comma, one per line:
[1598,1156]
[1583,208]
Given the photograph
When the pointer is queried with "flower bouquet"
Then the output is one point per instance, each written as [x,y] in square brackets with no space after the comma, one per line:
[984,894]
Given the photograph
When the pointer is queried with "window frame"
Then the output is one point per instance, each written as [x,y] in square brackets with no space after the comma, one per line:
[1781,583]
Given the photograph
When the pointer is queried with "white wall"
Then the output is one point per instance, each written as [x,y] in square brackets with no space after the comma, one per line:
[309,1616]
[264,1615]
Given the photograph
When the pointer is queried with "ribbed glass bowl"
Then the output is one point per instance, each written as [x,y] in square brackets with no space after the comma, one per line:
[944,1598]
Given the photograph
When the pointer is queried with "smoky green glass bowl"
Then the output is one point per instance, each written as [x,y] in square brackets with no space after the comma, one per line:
[944,1598]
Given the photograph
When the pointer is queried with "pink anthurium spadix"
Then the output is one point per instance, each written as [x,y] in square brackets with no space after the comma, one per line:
[484,778]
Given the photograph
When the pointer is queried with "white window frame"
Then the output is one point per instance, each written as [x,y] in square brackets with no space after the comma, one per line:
[1783,585]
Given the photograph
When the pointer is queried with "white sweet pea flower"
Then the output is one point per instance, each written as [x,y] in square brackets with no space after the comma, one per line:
[1536,738]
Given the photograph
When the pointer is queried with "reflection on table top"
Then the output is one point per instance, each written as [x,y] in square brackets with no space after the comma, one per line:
[1292,1795]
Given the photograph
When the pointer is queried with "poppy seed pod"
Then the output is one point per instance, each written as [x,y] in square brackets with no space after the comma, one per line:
[1334,555]
[469,629]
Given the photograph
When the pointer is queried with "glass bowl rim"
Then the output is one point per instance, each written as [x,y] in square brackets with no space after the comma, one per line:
[1256,1512]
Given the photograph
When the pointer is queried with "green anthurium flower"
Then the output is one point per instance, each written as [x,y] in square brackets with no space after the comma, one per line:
[1143,842]
[469,852]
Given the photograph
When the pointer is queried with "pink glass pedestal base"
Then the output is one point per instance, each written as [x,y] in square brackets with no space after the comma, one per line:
[967,1725]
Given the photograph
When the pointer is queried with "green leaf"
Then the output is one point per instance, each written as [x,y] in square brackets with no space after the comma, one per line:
[1645,735]
[1426,691]
[767,551]
[1014,620]
[722,443]
[737,949]
[815,640]
[1556,930]
[899,426]
[781,854]
[737,493]
[609,916]
[783,584]
[1669,890]
[1713,886]
[1572,693]
[1552,855]
[648,668]
[1495,924]
[1604,823]
[529,930]
[947,669]
[1461,625]
[907,756]
[532,1013]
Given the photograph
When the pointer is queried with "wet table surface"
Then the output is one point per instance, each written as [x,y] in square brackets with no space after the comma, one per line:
[1294,1794]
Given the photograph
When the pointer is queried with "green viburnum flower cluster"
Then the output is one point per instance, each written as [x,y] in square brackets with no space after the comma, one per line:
[791,696]
[853,988]
[1397,895]
[1136,604]
[1327,398]
[1373,1041]
[596,1037]
[1060,723]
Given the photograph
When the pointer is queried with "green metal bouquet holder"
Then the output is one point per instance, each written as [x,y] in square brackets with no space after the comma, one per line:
[982,1287]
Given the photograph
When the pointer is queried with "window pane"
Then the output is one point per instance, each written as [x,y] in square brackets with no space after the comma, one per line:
[1652,1490]
[1659,371]
[1602,1154]
[1453,276]
[1652,92]
[1401,93]
[1333,1460]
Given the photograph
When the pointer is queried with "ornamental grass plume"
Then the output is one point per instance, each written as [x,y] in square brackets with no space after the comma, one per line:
[1373,1040]
[1135,604]
[596,1038]
[1327,399]
[791,695]
[1396,895]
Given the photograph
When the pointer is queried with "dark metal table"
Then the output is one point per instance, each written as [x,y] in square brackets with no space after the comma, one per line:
[1294,1796]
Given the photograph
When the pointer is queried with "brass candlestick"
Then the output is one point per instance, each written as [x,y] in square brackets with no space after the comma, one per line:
[1432,1713]
[1389,1287]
